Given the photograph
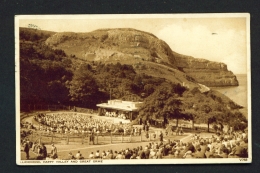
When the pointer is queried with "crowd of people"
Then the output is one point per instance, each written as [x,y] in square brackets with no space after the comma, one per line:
[76,123]
[224,145]
[39,149]
[221,145]
[171,130]
[233,145]
[115,114]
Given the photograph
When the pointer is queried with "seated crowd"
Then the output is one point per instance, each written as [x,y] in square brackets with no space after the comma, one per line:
[73,123]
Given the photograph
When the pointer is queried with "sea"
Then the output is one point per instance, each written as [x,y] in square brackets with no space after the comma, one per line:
[239,94]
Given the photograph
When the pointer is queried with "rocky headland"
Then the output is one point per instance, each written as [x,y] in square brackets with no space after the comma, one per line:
[132,46]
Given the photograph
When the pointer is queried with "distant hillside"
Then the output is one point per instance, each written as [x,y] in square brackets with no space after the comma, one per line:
[132,46]
[113,44]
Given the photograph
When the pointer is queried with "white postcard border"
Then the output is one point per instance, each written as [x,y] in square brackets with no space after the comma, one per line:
[135,161]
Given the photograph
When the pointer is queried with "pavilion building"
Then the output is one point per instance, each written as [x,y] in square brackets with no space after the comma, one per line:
[121,109]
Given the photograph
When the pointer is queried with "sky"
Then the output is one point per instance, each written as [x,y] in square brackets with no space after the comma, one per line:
[216,37]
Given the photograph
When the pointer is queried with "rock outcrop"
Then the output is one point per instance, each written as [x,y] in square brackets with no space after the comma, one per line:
[206,72]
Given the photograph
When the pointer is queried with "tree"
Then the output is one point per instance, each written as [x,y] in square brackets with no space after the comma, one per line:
[173,110]
[163,103]
[57,92]
[207,114]
[83,86]
[211,120]
[191,114]
[29,85]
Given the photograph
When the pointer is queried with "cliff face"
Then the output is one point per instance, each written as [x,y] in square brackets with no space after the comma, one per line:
[206,72]
[132,46]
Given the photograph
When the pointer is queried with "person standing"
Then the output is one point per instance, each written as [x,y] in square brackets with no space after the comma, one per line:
[147,135]
[39,153]
[177,131]
[136,131]
[147,128]
[92,138]
[172,129]
[140,131]
[54,153]
[140,121]
[44,151]
[181,131]
[161,136]
[26,149]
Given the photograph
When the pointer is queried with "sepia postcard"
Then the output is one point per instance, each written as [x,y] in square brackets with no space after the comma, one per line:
[133,89]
